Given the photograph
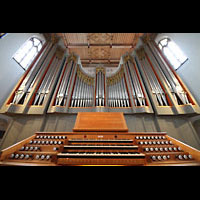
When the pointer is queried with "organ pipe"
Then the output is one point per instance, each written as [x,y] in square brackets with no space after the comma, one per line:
[82,95]
[143,83]
[100,85]
[117,92]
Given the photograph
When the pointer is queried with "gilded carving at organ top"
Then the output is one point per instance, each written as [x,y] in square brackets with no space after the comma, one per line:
[98,69]
[140,52]
[72,57]
[60,52]
[87,79]
[126,58]
[116,78]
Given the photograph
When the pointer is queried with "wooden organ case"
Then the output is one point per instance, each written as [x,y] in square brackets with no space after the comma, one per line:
[100,138]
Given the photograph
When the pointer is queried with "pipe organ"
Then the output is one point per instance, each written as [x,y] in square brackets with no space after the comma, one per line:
[138,95]
[97,141]
[144,82]
[117,92]
[168,93]
[63,89]
[82,95]
[100,87]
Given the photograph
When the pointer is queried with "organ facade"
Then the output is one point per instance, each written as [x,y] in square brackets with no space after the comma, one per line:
[144,82]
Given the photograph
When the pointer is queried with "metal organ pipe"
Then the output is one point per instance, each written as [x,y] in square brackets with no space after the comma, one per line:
[117,93]
[153,81]
[177,91]
[43,89]
[63,91]
[82,94]
[100,84]
[74,95]
[26,86]
[138,95]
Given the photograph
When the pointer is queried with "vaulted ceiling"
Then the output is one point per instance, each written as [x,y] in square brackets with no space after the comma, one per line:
[104,48]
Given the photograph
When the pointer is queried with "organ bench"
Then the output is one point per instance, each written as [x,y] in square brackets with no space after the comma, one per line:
[100,145]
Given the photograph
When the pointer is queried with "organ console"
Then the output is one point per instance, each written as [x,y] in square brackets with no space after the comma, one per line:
[102,141]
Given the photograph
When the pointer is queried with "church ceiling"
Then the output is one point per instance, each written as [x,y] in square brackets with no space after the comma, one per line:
[105,48]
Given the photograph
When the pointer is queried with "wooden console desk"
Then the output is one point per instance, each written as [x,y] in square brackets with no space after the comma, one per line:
[100,139]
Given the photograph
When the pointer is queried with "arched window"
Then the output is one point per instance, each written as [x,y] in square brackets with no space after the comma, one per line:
[25,54]
[173,53]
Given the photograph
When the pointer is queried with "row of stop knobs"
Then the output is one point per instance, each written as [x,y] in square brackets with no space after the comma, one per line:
[162,149]
[165,157]
[45,142]
[27,156]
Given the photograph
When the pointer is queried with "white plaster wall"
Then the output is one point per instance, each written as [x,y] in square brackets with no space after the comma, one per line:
[10,71]
[189,72]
